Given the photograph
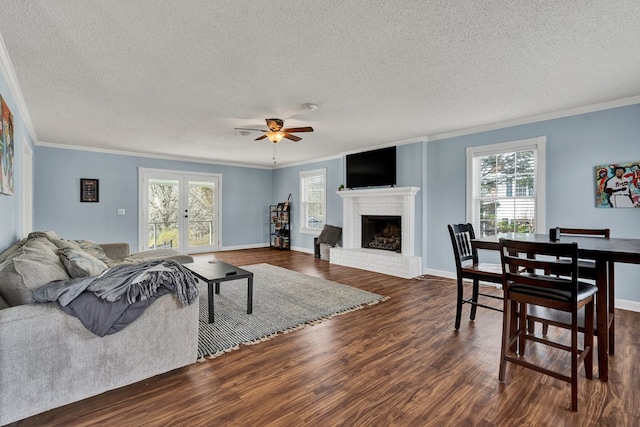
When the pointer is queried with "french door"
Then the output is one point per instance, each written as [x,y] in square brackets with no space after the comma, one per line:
[179,210]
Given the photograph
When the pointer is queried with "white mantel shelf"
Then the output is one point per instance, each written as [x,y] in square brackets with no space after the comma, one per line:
[398,201]
[379,192]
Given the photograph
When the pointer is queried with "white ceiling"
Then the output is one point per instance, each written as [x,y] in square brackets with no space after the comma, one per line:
[175,77]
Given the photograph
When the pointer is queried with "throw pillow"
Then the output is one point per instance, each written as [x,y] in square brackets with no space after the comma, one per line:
[330,235]
[50,235]
[3,303]
[12,249]
[63,244]
[79,263]
[29,267]
[92,248]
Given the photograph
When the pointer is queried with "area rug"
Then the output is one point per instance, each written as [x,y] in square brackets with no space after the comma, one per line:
[283,300]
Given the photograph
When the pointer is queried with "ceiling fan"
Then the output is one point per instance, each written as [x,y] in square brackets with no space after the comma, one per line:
[275,133]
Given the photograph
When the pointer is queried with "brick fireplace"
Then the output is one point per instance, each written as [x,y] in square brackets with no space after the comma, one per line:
[384,206]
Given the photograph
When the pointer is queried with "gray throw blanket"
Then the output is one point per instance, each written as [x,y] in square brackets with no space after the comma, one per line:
[135,281]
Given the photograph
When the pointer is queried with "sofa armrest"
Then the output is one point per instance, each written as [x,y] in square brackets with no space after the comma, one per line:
[116,250]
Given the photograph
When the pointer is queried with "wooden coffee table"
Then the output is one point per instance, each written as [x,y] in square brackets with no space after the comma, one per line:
[216,272]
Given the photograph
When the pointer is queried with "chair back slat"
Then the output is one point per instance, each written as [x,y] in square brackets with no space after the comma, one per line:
[461,236]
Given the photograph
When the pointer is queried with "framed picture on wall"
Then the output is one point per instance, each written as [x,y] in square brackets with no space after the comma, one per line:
[89,190]
[618,185]
[6,149]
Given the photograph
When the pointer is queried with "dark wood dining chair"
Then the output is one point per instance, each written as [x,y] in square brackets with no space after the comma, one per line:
[525,283]
[468,267]
[586,270]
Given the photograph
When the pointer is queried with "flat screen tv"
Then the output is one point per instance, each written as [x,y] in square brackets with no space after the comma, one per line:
[374,168]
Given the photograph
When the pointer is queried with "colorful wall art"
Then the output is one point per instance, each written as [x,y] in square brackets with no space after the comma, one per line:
[6,150]
[618,185]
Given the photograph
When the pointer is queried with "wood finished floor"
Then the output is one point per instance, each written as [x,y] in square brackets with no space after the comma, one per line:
[398,363]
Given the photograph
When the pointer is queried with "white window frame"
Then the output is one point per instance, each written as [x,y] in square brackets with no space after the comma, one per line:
[302,208]
[144,174]
[538,145]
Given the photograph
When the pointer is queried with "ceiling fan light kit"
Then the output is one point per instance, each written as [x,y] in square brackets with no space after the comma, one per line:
[275,137]
[275,133]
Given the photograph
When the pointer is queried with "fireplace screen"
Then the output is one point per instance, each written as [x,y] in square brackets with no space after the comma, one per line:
[382,232]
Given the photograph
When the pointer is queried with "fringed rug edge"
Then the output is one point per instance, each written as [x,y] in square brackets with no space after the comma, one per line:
[302,325]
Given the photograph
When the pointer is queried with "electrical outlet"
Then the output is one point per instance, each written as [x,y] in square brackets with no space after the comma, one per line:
[120,211]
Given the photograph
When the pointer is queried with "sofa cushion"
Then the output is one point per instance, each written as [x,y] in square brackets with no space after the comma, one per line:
[34,264]
[92,248]
[80,263]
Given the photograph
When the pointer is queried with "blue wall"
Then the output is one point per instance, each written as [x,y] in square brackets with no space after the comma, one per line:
[287,180]
[575,145]
[246,193]
[11,215]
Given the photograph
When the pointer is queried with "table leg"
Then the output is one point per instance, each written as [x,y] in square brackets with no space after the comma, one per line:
[250,294]
[612,307]
[211,314]
[602,308]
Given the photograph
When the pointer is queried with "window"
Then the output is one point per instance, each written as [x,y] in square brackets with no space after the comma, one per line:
[505,187]
[313,200]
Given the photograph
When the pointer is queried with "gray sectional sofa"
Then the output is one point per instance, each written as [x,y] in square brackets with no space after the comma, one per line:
[49,359]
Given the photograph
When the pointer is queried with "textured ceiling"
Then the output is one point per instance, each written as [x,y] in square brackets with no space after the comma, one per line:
[176,77]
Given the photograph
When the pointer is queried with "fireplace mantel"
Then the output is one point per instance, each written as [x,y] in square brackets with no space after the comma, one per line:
[379,192]
[378,201]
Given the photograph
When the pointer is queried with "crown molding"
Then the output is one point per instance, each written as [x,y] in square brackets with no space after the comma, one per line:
[148,155]
[307,162]
[6,67]
[539,118]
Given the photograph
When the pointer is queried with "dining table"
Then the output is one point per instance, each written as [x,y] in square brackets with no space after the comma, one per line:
[605,252]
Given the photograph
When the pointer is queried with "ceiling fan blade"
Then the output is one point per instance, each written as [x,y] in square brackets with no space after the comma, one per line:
[274,124]
[254,130]
[261,137]
[302,129]
[292,137]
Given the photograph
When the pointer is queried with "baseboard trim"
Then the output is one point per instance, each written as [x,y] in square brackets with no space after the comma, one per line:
[628,305]
[240,247]
[440,273]
[302,249]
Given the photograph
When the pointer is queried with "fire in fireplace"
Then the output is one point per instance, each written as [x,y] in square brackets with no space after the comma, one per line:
[382,232]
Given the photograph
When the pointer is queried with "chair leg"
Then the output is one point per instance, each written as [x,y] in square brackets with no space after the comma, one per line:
[531,326]
[474,298]
[545,329]
[513,325]
[506,333]
[588,340]
[574,363]
[459,303]
[522,318]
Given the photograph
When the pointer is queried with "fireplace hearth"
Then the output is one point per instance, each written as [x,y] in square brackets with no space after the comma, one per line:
[382,232]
